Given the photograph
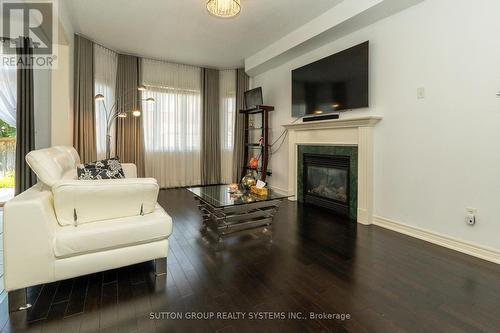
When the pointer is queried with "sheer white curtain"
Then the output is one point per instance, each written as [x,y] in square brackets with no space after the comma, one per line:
[172,126]
[227,104]
[105,67]
[8,92]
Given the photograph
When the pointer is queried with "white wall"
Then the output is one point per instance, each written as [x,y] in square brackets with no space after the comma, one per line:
[435,156]
[62,83]
[62,98]
[53,90]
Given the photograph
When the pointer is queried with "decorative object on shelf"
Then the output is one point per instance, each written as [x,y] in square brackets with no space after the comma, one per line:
[253,98]
[261,141]
[224,8]
[254,163]
[114,112]
[248,181]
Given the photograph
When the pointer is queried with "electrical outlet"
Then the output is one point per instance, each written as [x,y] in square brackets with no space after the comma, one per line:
[420,93]
[470,217]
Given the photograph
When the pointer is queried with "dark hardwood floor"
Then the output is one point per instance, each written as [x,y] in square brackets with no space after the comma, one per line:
[385,281]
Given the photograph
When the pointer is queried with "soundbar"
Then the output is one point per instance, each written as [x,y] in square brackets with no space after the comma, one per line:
[322,117]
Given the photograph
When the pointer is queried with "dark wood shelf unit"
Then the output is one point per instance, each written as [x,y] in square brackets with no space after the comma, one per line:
[269,172]
[258,109]
[262,110]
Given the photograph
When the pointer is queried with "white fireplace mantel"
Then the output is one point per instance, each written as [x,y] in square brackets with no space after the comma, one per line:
[340,132]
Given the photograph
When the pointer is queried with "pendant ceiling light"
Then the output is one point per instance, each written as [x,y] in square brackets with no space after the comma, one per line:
[224,8]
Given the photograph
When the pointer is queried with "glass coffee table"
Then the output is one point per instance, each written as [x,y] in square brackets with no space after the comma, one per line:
[226,214]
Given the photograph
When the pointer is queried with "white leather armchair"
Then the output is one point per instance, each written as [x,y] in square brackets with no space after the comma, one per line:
[63,227]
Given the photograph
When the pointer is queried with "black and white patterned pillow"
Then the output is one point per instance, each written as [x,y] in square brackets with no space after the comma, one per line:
[105,169]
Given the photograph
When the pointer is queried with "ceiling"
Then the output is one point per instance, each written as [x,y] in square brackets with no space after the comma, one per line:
[183,31]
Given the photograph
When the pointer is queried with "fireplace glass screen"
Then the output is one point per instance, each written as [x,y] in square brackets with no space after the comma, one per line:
[327,182]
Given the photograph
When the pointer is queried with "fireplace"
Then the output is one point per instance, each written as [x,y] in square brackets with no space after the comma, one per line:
[326,182]
[349,136]
[328,178]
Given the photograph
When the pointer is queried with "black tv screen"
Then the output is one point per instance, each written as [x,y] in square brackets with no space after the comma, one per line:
[335,83]
[253,98]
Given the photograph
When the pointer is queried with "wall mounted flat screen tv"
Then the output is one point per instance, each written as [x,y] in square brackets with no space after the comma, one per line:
[335,83]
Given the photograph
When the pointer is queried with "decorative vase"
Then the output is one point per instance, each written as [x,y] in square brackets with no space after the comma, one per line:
[248,181]
[254,163]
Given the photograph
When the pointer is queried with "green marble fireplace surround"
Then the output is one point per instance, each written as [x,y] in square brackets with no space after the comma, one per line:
[347,151]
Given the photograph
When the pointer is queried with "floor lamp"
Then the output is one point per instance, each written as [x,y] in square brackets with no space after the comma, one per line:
[119,112]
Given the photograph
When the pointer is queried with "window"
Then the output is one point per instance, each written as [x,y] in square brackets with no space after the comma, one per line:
[227,107]
[8,95]
[172,126]
[175,118]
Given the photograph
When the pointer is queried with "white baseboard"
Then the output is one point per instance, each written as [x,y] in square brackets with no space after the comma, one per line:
[278,189]
[438,239]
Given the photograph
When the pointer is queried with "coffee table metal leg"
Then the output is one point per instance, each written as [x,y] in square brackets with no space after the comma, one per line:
[224,222]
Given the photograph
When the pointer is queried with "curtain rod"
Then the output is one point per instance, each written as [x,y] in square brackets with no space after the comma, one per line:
[93,41]
[149,58]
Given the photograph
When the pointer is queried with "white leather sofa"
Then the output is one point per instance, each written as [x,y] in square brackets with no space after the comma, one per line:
[63,227]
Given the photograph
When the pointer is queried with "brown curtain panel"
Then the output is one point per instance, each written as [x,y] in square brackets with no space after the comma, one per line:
[210,132]
[84,135]
[242,85]
[25,122]
[129,137]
